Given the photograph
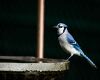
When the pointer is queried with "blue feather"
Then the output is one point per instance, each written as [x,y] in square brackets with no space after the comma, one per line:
[71,41]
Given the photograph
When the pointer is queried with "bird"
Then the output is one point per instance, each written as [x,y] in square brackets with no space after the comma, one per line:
[68,43]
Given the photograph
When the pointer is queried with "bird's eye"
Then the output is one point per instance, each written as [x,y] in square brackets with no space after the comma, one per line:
[60,26]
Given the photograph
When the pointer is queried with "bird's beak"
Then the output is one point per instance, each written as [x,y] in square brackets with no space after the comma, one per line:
[55,27]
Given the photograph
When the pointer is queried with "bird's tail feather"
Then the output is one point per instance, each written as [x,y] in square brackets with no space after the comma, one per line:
[89,61]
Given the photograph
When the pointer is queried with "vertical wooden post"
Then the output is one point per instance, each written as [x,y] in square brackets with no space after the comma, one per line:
[40,44]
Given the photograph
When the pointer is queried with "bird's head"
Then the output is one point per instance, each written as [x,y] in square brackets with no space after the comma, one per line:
[61,27]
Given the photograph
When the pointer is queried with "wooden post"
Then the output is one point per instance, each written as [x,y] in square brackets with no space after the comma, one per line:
[40,43]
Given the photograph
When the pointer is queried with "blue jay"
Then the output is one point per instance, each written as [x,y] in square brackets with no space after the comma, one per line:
[68,43]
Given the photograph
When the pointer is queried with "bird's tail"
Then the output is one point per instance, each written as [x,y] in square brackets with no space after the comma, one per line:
[89,61]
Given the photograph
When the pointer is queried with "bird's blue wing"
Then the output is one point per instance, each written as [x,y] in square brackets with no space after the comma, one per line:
[71,40]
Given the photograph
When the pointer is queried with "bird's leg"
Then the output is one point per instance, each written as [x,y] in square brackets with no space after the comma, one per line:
[70,57]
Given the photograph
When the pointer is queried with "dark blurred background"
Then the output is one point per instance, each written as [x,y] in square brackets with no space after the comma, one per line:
[18,29]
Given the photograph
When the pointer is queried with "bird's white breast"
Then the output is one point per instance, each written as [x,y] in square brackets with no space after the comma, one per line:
[65,44]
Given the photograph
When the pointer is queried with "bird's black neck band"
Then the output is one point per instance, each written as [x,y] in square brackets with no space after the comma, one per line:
[63,31]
